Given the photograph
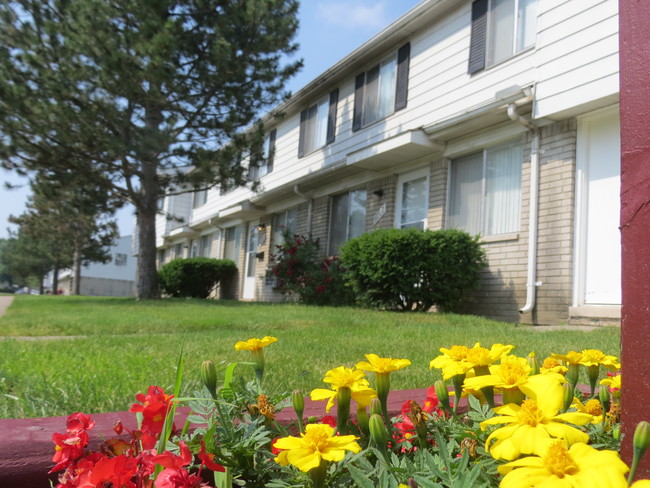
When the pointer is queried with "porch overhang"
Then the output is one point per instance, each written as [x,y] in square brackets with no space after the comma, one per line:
[245,210]
[309,182]
[183,231]
[384,154]
[488,114]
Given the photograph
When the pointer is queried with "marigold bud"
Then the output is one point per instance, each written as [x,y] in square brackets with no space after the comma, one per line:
[375,407]
[533,362]
[378,431]
[642,436]
[603,396]
[209,377]
[412,483]
[568,396]
[298,402]
[443,394]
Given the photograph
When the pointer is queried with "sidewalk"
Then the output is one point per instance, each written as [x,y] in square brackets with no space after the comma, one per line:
[5,301]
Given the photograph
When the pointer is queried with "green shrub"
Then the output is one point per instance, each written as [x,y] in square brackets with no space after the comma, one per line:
[194,277]
[301,271]
[409,269]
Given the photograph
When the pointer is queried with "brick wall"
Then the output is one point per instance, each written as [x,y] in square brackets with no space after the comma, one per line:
[503,284]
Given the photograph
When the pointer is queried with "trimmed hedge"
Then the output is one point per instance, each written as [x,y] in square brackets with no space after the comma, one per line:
[410,269]
[194,277]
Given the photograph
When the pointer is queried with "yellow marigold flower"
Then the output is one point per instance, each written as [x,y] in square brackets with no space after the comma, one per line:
[254,344]
[614,384]
[382,365]
[316,445]
[572,357]
[592,407]
[452,362]
[343,377]
[510,374]
[480,356]
[552,365]
[533,423]
[559,467]
[594,357]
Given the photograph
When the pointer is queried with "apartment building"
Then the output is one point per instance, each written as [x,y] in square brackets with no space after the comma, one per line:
[499,117]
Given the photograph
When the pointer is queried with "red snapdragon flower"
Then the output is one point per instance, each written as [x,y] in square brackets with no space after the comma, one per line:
[175,475]
[207,459]
[117,471]
[154,407]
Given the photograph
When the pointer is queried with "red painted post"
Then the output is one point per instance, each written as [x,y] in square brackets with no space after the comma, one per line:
[634,42]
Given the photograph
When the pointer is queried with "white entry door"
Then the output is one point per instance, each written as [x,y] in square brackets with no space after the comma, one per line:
[251,261]
[599,252]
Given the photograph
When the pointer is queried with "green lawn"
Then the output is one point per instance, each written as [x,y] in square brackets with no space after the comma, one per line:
[126,345]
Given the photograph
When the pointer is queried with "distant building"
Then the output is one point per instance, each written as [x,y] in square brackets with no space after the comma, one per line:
[113,279]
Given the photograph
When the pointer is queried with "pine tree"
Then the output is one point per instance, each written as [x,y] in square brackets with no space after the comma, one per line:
[141,97]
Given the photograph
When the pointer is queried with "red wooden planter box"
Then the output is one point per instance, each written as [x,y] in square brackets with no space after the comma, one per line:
[26,446]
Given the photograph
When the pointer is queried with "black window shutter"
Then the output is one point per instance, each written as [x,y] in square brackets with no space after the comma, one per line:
[478,36]
[271,154]
[304,115]
[331,117]
[358,101]
[402,83]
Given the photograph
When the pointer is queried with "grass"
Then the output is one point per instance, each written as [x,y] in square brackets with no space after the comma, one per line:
[108,349]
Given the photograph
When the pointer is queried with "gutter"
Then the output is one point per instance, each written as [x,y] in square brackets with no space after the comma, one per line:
[310,207]
[531,282]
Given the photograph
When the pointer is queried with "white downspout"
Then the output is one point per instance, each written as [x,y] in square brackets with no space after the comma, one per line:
[531,282]
[297,191]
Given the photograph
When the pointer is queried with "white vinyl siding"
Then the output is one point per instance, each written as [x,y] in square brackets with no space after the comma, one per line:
[485,191]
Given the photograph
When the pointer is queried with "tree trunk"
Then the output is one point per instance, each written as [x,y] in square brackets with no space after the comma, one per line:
[55,279]
[76,270]
[147,208]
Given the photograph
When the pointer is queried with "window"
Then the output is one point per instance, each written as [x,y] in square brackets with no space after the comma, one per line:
[265,165]
[484,191]
[412,200]
[120,259]
[205,246]
[348,219]
[178,251]
[318,124]
[500,29]
[232,243]
[200,198]
[382,90]
[286,220]
[194,249]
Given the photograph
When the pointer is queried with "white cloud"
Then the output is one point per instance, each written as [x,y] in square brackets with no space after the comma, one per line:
[366,14]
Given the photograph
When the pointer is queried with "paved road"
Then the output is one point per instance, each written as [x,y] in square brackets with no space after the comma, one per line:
[5,301]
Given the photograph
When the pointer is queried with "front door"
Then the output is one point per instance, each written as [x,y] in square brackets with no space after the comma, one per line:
[251,262]
[600,252]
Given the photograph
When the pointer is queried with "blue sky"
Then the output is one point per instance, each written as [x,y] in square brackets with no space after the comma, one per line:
[329,31]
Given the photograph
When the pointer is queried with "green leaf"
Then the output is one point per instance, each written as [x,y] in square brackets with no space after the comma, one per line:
[360,478]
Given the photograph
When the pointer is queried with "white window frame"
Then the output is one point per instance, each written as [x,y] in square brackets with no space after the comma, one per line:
[200,198]
[518,33]
[316,125]
[401,181]
[205,245]
[236,229]
[262,168]
[386,81]
[280,223]
[348,227]
[483,218]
